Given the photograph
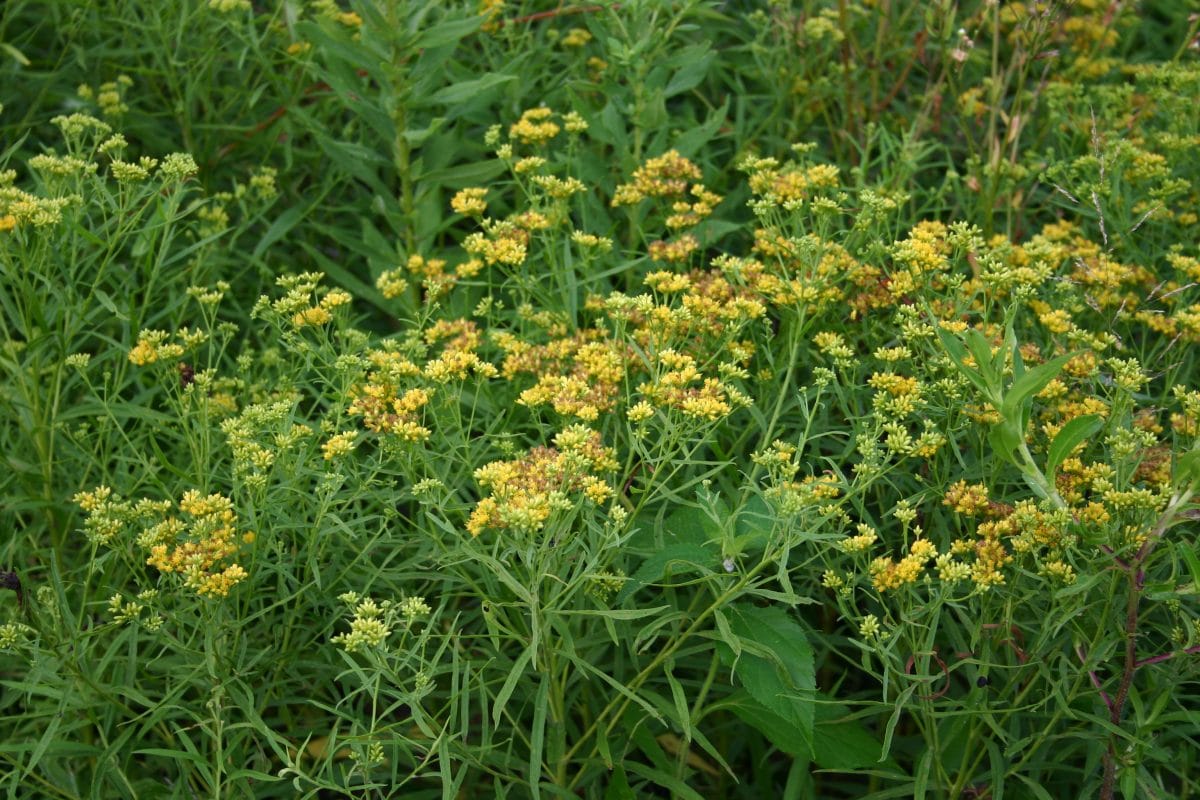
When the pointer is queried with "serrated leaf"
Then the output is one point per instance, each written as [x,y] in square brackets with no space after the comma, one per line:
[776,665]
[1074,433]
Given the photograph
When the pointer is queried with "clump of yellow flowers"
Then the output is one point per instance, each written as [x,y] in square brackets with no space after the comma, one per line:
[198,544]
[526,492]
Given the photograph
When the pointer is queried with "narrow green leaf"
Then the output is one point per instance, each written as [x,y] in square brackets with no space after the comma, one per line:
[664,780]
[15,54]
[610,613]
[510,684]
[279,228]
[541,705]
[921,778]
[1188,550]
[679,698]
[618,786]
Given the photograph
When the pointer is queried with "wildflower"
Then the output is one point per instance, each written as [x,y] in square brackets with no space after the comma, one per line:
[369,628]
[152,346]
[413,607]
[178,166]
[576,37]
[526,492]
[965,499]
[338,445]
[469,202]
[534,126]
[600,243]
[675,251]
[861,542]
[664,176]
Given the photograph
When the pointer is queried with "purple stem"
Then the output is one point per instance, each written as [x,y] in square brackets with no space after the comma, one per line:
[1191,651]
[1095,680]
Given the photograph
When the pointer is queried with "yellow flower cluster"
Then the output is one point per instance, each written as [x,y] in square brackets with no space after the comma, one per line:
[676,251]
[469,202]
[196,546]
[384,403]
[535,126]
[578,375]
[505,243]
[338,445]
[967,499]
[888,574]
[667,175]
[153,346]
[526,492]
[674,385]
[788,184]
[305,303]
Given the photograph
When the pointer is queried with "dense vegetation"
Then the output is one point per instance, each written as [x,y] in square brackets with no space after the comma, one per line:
[527,399]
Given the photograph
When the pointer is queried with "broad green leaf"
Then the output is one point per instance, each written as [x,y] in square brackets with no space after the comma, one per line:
[1030,384]
[981,351]
[448,31]
[1069,437]
[696,60]
[469,90]
[776,664]
[691,141]
[1187,468]
[674,559]
[1005,438]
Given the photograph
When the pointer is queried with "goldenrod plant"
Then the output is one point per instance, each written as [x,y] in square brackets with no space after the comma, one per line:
[610,400]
